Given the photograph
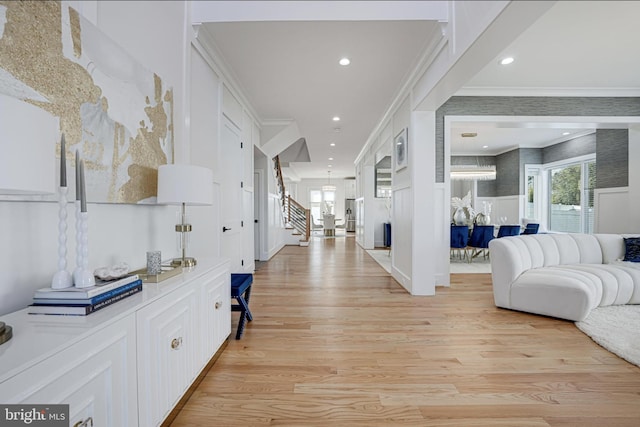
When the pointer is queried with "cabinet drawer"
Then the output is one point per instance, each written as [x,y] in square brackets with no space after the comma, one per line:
[167,351]
[96,377]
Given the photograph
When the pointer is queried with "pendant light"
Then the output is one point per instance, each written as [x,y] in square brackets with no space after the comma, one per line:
[329,187]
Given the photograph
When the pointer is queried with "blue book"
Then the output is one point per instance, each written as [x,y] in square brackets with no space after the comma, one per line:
[82,309]
[88,301]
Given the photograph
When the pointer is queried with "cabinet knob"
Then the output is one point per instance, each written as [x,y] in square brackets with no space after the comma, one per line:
[218,305]
[84,423]
[176,343]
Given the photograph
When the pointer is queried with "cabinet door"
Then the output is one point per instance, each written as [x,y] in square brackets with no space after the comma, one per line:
[167,350]
[216,314]
[96,377]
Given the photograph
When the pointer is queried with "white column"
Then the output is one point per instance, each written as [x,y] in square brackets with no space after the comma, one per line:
[427,228]
[368,188]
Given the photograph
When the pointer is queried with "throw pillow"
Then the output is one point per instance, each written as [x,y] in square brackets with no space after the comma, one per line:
[632,249]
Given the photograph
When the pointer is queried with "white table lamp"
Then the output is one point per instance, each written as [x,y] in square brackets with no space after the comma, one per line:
[184,185]
[27,163]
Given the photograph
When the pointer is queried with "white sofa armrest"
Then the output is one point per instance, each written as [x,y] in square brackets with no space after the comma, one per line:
[506,265]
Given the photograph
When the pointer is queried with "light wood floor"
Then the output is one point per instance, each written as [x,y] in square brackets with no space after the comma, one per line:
[336,341]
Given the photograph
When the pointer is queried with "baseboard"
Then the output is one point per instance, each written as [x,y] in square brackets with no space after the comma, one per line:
[275,250]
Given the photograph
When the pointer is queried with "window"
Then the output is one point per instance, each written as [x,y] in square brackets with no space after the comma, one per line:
[315,200]
[533,193]
[321,202]
[561,194]
[566,208]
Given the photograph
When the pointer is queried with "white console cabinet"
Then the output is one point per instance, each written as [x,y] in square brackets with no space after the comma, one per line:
[127,364]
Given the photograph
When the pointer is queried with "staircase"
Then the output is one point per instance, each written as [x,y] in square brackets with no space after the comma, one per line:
[296,216]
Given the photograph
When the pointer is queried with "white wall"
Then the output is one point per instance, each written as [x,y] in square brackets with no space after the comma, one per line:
[205,147]
[153,32]
[613,213]
[272,238]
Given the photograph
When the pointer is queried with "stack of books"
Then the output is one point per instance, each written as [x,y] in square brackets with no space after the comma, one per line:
[82,301]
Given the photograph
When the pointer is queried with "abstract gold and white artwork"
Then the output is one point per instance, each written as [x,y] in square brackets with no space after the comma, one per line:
[114,111]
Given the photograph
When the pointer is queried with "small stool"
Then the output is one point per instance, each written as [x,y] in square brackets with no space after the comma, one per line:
[241,291]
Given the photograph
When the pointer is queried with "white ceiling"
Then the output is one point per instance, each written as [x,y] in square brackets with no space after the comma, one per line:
[495,138]
[289,70]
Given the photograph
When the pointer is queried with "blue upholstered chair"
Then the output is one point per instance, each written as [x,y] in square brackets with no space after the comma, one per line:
[508,230]
[479,240]
[531,228]
[459,238]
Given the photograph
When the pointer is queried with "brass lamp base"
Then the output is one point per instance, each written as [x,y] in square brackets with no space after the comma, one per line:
[6,332]
[188,262]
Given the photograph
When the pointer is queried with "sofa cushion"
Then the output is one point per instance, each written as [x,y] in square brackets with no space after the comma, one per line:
[612,247]
[618,284]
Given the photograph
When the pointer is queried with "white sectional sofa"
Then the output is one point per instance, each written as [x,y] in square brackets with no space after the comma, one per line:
[562,275]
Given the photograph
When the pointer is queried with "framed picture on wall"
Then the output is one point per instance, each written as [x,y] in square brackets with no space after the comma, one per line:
[401,149]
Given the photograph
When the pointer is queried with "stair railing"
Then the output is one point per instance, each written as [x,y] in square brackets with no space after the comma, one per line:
[294,213]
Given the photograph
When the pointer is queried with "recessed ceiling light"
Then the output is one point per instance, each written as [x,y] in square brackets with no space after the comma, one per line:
[336,118]
[330,158]
[469,134]
[329,166]
[506,61]
[345,61]
[566,133]
[485,146]
[333,144]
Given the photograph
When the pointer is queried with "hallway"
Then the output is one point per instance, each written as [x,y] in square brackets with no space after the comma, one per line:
[335,340]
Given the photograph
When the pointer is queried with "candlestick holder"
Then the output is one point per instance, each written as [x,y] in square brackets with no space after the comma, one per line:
[82,277]
[62,278]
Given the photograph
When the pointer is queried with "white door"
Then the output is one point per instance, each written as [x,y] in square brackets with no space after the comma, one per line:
[231,195]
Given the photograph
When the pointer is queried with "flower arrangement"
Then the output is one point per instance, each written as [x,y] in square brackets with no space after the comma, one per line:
[463,211]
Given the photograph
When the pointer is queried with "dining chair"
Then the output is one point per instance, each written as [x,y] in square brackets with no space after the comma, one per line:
[315,225]
[509,230]
[459,239]
[479,240]
[531,228]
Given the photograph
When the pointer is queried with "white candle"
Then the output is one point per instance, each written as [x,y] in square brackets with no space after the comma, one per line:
[63,163]
[83,193]
[78,183]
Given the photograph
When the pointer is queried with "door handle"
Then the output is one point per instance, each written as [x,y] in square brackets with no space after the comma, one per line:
[225,229]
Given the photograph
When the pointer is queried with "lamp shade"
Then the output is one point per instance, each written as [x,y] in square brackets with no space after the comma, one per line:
[188,184]
[27,162]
